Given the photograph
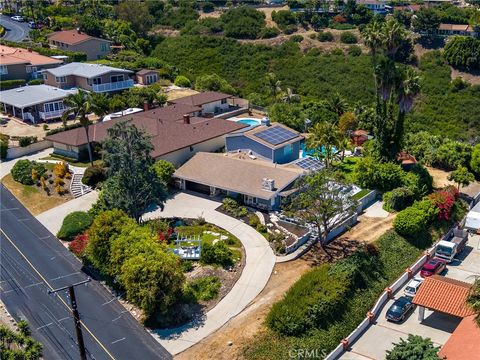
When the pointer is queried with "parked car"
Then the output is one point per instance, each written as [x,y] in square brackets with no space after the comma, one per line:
[32,25]
[432,267]
[412,287]
[17,18]
[400,309]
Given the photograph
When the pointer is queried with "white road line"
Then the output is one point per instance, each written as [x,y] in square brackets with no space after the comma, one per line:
[64,276]
[41,327]
[114,342]
[26,287]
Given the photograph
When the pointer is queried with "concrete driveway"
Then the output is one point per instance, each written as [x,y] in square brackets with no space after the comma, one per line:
[379,338]
[260,260]
[14,30]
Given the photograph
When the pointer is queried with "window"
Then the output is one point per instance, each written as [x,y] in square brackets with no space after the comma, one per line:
[288,149]
[61,79]
[191,148]
[224,101]
[104,47]
[53,106]
[45,76]
[116,78]
[96,81]
[3,69]
[31,69]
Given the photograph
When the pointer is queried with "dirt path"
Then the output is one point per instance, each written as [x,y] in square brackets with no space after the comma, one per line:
[368,229]
[245,326]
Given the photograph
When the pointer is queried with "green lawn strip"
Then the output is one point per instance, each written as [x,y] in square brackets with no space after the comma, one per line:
[361,194]
[71,161]
[395,254]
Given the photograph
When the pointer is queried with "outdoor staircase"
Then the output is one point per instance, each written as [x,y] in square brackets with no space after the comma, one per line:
[77,188]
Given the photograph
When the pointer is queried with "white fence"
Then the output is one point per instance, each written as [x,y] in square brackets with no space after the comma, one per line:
[18,151]
[376,309]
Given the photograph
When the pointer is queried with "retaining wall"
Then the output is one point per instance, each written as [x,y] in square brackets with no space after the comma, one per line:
[18,151]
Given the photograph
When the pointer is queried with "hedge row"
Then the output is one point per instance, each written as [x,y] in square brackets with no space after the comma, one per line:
[74,224]
[63,128]
[10,84]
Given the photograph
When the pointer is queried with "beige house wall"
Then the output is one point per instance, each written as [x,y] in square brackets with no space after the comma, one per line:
[179,157]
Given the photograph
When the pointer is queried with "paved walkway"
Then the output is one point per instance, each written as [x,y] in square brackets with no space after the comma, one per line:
[52,219]
[260,260]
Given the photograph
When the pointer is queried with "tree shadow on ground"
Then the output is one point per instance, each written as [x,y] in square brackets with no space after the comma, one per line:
[334,251]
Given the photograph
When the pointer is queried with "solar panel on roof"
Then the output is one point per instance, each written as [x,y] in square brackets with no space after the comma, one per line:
[276,135]
[309,163]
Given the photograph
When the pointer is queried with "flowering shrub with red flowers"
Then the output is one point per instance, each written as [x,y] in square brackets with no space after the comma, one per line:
[78,244]
[164,237]
[444,200]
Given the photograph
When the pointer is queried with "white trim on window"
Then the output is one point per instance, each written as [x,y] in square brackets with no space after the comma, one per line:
[3,69]
[61,79]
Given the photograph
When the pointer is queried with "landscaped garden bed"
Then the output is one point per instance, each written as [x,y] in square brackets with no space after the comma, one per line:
[38,186]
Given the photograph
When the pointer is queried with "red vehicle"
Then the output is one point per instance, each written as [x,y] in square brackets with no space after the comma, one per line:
[432,267]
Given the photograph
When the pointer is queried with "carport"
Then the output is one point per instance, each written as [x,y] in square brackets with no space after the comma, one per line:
[445,295]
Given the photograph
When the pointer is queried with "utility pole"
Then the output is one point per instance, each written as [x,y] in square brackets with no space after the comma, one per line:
[76,315]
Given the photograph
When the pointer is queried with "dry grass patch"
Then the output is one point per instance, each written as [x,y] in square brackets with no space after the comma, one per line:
[32,197]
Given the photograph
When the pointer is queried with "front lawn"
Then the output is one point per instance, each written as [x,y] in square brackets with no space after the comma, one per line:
[346,167]
[85,163]
[32,197]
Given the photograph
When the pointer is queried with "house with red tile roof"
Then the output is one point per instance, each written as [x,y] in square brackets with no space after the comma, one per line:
[77,41]
[445,295]
[23,64]
[464,343]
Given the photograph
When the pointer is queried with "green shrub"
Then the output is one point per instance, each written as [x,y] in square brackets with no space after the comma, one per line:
[269,32]
[337,51]
[22,171]
[261,228]
[94,175]
[208,7]
[164,170]
[203,289]
[182,81]
[354,50]
[414,219]
[35,82]
[419,181]
[348,37]
[290,29]
[74,224]
[253,220]
[4,139]
[303,309]
[218,254]
[296,38]
[64,128]
[370,174]
[187,266]
[27,140]
[233,208]
[10,84]
[397,199]
[325,36]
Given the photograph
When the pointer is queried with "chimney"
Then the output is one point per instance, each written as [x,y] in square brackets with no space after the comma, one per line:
[145,106]
[186,119]
[268,184]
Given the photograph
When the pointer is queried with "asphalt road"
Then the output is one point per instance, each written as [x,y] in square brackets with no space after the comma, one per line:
[15,31]
[33,261]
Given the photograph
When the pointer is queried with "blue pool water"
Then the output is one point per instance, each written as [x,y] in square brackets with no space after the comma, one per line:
[250,122]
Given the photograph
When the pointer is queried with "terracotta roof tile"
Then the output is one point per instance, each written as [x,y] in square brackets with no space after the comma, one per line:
[464,343]
[15,55]
[201,98]
[443,294]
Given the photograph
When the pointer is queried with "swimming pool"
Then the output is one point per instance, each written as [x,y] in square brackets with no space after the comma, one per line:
[250,122]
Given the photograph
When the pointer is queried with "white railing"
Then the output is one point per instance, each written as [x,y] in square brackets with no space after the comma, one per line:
[28,116]
[46,115]
[113,86]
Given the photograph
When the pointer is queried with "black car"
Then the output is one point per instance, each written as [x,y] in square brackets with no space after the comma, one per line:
[399,309]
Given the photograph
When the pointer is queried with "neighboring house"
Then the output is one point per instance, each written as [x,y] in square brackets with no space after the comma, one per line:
[259,183]
[147,77]
[378,7]
[77,41]
[23,64]
[34,102]
[464,342]
[213,103]
[176,133]
[90,77]
[455,29]
[276,143]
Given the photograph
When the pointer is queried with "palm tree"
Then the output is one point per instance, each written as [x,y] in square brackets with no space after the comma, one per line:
[394,34]
[273,84]
[386,75]
[374,37]
[290,97]
[337,104]
[81,105]
[323,137]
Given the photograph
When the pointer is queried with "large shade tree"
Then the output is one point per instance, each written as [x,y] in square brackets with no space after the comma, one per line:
[322,201]
[132,183]
[414,348]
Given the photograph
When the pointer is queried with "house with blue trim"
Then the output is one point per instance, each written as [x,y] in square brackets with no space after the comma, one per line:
[276,143]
